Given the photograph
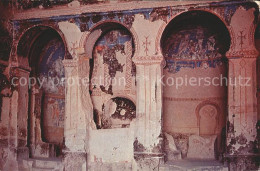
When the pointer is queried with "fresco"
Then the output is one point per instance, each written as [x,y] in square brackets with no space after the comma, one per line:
[51,68]
[193,47]
[118,113]
[54,110]
[52,73]
[112,55]
[192,44]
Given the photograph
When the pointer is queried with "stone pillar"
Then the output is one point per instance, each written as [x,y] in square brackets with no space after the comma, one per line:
[12,144]
[18,118]
[21,107]
[148,140]
[32,121]
[242,102]
[78,113]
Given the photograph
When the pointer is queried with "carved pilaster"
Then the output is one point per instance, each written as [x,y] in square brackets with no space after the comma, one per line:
[242,102]
[78,110]
[149,105]
[19,117]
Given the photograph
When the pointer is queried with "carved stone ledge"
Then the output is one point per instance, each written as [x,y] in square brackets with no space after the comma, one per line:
[70,62]
[148,60]
[242,54]
[16,71]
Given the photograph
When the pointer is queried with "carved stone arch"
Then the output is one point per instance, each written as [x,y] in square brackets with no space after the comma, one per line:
[39,29]
[86,36]
[164,25]
[215,108]
[112,46]
[252,33]
[124,96]
[39,47]
[119,111]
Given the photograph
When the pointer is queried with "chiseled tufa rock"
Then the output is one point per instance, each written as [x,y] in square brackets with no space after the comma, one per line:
[171,150]
[201,147]
[74,4]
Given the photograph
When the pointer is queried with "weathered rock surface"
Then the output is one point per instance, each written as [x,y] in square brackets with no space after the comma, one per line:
[201,147]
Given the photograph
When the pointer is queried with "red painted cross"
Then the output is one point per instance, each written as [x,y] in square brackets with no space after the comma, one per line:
[146,43]
[241,37]
[73,48]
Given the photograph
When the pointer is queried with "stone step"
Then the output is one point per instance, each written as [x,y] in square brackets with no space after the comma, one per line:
[209,168]
[42,169]
[43,164]
[46,163]
[193,165]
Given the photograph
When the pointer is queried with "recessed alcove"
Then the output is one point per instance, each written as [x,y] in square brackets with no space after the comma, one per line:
[42,49]
[112,74]
[195,76]
[46,58]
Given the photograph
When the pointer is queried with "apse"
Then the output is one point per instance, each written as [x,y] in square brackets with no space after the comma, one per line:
[195,77]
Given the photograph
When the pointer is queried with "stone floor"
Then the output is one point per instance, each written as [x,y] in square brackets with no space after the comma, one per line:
[54,164]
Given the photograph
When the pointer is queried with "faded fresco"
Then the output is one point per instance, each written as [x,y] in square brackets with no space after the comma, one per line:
[113,74]
[192,44]
[195,44]
[51,68]
[191,48]
[52,73]
[112,60]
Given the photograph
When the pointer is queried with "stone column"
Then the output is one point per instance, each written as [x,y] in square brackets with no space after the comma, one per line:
[148,140]
[21,107]
[78,113]
[18,118]
[242,102]
[33,137]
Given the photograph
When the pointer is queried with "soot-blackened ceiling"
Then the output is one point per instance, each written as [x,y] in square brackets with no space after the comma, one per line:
[5,42]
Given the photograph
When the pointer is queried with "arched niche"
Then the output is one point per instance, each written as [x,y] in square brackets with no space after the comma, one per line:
[207,118]
[112,71]
[43,53]
[194,45]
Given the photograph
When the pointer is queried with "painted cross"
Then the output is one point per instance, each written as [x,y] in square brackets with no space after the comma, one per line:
[241,37]
[73,48]
[146,43]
